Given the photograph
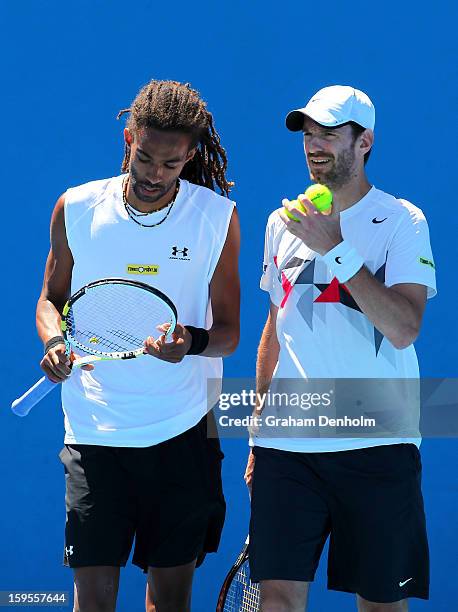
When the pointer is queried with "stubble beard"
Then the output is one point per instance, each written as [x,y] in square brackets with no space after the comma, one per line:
[147,199]
[341,173]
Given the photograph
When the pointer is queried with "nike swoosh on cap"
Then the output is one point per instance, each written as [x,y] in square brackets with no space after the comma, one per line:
[375,220]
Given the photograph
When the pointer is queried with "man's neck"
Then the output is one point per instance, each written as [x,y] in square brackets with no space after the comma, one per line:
[349,194]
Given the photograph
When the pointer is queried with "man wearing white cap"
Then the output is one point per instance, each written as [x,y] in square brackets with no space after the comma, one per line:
[347,295]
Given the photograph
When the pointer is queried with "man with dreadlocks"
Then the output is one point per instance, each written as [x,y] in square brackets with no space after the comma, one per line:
[137,458]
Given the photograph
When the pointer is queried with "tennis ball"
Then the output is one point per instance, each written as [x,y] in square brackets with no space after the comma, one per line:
[298,205]
[320,196]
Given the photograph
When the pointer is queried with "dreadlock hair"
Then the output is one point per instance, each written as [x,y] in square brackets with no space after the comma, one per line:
[174,106]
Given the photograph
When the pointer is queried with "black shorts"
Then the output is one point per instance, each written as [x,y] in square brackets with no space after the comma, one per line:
[368,500]
[169,496]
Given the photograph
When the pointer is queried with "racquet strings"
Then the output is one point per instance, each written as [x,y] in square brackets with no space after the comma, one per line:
[112,318]
[243,595]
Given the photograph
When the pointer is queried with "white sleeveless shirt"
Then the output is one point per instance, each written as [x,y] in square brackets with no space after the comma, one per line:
[144,401]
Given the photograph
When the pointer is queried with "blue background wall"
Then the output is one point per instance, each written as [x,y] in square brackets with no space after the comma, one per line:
[67,70]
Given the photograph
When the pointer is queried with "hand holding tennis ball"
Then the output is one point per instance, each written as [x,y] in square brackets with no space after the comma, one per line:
[319,195]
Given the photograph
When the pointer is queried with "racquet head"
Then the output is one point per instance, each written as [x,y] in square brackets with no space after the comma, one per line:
[111,318]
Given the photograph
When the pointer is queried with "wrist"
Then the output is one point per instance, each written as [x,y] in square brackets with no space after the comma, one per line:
[52,342]
[344,261]
[199,340]
[330,247]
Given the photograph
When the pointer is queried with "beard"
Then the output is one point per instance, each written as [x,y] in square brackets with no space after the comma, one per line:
[340,173]
[136,184]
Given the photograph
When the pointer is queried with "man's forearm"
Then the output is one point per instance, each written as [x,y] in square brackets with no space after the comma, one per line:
[47,320]
[223,340]
[268,352]
[390,312]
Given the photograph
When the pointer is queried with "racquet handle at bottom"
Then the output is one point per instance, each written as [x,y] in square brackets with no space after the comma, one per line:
[24,404]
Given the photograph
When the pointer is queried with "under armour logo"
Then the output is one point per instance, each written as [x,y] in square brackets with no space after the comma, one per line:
[176,250]
[69,550]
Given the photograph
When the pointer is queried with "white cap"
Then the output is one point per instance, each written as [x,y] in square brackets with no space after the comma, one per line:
[333,106]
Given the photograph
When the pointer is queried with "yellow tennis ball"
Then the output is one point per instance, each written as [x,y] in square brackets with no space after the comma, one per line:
[320,196]
[298,205]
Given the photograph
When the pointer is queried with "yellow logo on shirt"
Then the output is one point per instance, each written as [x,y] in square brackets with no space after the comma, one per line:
[142,269]
[427,262]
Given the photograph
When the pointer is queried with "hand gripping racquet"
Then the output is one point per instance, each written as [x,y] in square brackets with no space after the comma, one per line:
[106,319]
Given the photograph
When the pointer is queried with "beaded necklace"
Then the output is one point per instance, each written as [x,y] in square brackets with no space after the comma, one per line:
[134,213]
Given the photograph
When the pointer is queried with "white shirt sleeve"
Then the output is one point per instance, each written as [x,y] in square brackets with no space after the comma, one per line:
[409,257]
[270,281]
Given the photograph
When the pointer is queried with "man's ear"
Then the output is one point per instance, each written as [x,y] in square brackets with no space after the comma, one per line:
[190,154]
[128,137]
[366,141]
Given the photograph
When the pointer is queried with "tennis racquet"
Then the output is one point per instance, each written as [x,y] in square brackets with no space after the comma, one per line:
[238,593]
[106,319]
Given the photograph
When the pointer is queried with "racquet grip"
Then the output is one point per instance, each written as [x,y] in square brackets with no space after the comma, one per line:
[24,404]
